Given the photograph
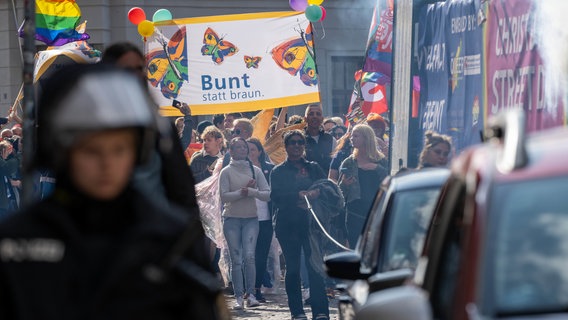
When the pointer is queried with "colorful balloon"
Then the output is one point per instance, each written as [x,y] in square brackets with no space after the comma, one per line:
[136,15]
[315,2]
[298,5]
[313,13]
[162,15]
[323,13]
[146,28]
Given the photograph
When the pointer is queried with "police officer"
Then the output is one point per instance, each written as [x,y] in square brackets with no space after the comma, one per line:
[97,248]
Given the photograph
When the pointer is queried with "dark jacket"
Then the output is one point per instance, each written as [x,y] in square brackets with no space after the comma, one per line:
[321,150]
[187,132]
[200,164]
[285,188]
[71,257]
[8,167]
[349,167]
[329,209]
[167,178]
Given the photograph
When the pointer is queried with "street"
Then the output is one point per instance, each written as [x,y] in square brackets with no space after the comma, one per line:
[275,308]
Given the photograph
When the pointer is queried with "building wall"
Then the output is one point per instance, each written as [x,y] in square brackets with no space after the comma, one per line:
[342,33]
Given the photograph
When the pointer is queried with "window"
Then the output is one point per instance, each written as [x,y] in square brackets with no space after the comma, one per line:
[370,238]
[409,218]
[342,69]
[448,253]
[529,253]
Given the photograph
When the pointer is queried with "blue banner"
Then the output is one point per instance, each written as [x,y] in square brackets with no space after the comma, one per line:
[464,51]
[450,70]
[433,68]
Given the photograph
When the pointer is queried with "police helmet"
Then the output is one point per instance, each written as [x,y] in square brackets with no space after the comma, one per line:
[81,99]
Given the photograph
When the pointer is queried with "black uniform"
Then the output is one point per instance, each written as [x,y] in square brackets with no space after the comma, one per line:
[72,257]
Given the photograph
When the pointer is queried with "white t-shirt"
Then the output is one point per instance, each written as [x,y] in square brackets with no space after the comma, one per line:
[262,210]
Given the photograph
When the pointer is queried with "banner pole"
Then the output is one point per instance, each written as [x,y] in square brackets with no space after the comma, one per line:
[29,103]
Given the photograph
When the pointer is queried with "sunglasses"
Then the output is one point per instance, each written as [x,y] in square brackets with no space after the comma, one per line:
[296,142]
[237,131]
[338,134]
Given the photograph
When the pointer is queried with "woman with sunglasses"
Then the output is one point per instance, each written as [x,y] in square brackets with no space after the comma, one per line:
[436,151]
[240,184]
[338,131]
[290,182]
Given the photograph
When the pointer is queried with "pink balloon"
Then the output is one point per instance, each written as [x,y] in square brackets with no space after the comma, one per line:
[136,15]
[323,13]
[298,5]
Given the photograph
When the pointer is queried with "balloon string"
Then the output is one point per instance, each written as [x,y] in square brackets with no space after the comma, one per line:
[323,30]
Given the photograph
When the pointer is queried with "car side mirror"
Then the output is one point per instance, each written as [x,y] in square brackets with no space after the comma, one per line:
[389,279]
[344,265]
[400,303]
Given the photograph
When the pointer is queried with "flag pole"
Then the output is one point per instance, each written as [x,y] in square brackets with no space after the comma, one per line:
[29,102]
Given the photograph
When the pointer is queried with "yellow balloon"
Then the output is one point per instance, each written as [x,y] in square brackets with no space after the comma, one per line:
[316,2]
[146,28]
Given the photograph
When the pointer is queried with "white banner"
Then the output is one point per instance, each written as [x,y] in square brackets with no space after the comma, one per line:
[232,63]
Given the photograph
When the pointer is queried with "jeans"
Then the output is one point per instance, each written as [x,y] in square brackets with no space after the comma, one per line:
[292,243]
[262,248]
[241,234]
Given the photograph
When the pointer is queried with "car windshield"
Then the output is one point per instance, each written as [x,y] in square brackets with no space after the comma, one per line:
[530,257]
[409,218]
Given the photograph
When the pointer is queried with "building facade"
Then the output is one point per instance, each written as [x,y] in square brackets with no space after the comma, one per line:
[340,39]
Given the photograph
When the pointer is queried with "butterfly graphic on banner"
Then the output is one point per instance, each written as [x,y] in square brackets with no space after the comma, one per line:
[252,62]
[297,57]
[167,66]
[216,47]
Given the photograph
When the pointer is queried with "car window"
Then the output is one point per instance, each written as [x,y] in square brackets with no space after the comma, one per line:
[530,257]
[408,219]
[371,234]
[445,250]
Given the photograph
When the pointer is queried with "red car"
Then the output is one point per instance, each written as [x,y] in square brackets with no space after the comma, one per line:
[497,247]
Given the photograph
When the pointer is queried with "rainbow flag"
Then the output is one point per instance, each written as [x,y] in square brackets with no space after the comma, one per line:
[57,22]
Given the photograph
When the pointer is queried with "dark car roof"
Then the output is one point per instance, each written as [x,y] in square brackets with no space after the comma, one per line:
[544,149]
[416,179]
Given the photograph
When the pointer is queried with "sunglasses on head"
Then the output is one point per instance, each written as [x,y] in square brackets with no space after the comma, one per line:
[296,142]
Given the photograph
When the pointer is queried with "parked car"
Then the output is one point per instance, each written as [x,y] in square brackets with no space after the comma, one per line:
[498,243]
[392,238]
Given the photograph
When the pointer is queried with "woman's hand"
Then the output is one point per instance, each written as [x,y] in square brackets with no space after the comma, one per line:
[251,183]
[312,194]
[347,180]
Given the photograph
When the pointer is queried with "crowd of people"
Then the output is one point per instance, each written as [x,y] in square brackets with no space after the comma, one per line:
[354,159]
[126,222]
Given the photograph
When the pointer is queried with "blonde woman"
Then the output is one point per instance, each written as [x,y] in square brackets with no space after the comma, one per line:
[360,176]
